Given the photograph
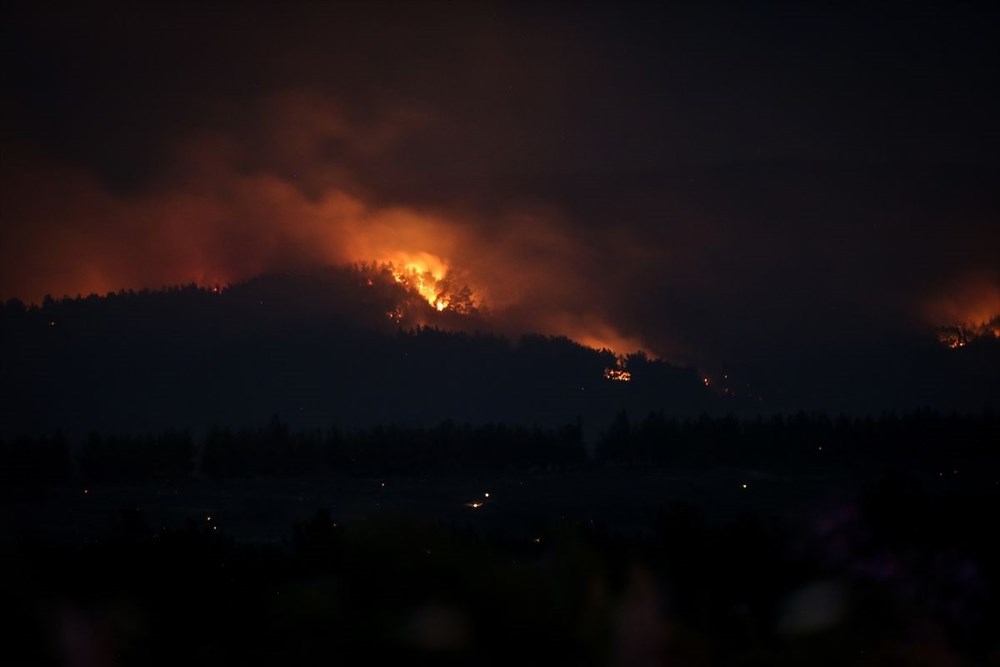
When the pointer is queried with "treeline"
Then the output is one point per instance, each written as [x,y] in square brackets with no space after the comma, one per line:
[924,441]
[345,346]
[275,450]
[389,450]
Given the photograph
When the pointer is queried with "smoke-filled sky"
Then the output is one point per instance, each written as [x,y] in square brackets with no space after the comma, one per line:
[706,182]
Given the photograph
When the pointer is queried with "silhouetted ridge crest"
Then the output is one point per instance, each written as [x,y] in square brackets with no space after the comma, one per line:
[340,345]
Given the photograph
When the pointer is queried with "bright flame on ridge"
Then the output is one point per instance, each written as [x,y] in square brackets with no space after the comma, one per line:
[618,374]
[424,273]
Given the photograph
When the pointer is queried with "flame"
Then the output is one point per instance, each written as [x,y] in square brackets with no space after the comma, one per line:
[953,337]
[215,223]
[617,375]
[961,334]
[424,273]
[968,310]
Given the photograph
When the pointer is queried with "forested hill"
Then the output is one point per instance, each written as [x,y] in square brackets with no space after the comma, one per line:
[354,347]
[346,347]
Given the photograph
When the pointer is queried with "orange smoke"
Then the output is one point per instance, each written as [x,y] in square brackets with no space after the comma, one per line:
[973,300]
[221,211]
[970,309]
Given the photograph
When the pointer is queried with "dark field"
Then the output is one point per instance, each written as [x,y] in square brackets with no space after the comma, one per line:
[264,509]
[832,556]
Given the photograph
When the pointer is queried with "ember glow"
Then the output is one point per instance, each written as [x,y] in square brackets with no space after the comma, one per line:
[424,273]
[617,375]
[960,335]
[970,310]
[619,372]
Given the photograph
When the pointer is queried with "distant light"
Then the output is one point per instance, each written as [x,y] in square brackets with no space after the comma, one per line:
[208,518]
[487,494]
[474,505]
[744,486]
[86,491]
[537,540]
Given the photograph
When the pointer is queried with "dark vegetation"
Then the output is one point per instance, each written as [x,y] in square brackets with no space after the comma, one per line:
[923,442]
[320,348]
[877,550]
[905,573]
[349,346]
[902,570]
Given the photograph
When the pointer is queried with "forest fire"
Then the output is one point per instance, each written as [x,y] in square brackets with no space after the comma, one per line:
[427,275]
[969,312]
[423,281]
[217,225]
[618,373]
[961,334]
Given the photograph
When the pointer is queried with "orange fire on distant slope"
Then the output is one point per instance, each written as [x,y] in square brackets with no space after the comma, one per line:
[424,273]
[618,373]
[969,312]
[214,224]
[961,334]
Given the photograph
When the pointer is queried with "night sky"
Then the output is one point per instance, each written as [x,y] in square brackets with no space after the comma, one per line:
[492,333]
[745,183]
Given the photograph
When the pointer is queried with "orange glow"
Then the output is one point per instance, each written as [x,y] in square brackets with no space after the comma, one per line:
[617,375]
[968,310]
[422,272]
[973,300]
[214,222]
[952,337]
[960,335]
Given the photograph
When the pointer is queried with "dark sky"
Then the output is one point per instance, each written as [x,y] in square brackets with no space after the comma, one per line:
[711,182]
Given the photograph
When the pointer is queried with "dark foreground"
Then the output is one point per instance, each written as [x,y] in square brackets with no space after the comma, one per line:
[782,542]
[650,567]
